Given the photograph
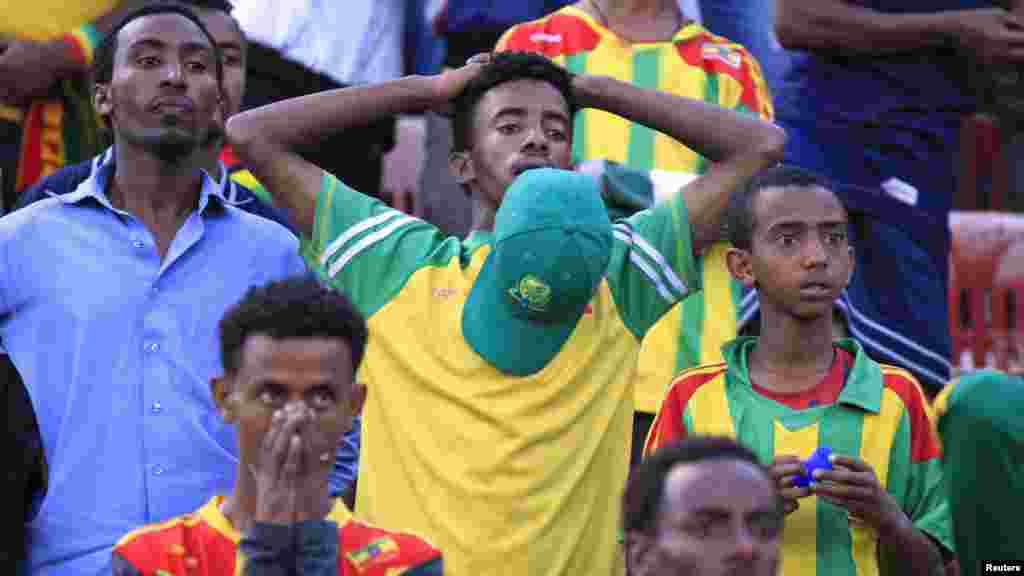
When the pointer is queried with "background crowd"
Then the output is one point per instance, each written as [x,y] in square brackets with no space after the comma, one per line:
[127,244]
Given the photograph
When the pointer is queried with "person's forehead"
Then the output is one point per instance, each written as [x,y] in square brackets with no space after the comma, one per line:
[222,27]
[169,28]
[528,94]
[809,204]
[717,484]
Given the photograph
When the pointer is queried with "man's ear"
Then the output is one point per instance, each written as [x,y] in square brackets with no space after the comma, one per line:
[461,166]
[101,100]
[358,397]
[223,397]
[738,262]
[638,548]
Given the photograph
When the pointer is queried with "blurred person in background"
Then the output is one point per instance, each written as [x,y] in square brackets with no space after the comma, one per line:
[46,115]
[892,154]
[305,46]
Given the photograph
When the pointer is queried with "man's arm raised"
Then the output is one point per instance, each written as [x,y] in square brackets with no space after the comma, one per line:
[266,138]
[740,145]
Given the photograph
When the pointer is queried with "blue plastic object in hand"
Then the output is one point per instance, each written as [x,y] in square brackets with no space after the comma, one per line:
[818,460]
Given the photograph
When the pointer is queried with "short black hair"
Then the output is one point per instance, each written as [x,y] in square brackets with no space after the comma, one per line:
[296,307]
[505,67]
[646,486]
[740,218]
[220,6]
[104,55]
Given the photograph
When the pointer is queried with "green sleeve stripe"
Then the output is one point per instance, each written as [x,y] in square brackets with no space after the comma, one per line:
[842,430]
[646,64]
[899,482]
[367,242]
[932,513]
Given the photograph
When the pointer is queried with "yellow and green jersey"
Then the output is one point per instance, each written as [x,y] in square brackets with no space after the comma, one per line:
[507,475]
[881,417]
[696,64]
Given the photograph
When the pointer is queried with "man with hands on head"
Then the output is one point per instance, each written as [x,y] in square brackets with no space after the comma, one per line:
[540,310]
[882,505]
[291,350]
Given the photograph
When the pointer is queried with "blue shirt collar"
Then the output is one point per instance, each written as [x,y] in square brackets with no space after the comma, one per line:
[95,185]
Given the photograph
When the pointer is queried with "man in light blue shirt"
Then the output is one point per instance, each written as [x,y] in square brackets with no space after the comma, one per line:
[110,295]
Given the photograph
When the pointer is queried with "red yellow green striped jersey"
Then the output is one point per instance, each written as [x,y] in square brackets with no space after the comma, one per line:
[204,543]
[694,63]
[881,417]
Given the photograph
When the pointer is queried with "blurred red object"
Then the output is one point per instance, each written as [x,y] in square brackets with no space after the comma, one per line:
[986,292]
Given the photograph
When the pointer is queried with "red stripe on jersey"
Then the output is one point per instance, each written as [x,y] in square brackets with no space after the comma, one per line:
[557,35]
[668,426]
[923,443]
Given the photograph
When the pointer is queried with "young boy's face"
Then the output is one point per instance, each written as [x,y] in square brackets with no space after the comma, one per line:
[311,376]
[800,257]
[519,125]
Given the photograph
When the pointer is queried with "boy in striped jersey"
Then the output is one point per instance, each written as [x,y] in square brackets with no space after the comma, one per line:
[883,506]
[499,425]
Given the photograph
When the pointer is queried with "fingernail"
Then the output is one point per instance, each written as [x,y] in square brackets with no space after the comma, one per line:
[832,458]
[277,414]
[818,474]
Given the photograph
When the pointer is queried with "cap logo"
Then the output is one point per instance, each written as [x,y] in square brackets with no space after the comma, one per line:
[531,293]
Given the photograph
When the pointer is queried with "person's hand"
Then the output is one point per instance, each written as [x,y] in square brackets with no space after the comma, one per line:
[448,85]
[286,486]
[785,470]
[992,35]
[29,69]
[852,485]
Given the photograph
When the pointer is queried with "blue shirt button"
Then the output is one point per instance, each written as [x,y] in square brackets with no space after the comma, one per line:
[157,408]
[158,470]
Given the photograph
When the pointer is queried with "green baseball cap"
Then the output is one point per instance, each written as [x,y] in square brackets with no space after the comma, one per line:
[552,244]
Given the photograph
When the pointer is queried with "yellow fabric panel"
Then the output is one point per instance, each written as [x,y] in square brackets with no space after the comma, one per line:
[527,447]
[800,538]
[44,19]
[730,91]
[676,76]
[719,311]
[709,409]
[657,362]
[875,449]
[607,134]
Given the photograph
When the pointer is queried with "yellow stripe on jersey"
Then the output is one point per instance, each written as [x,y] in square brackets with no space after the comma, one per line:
[721,325]
[607,134]
[800,553]
[877,439]
[709,408]
[678,77]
